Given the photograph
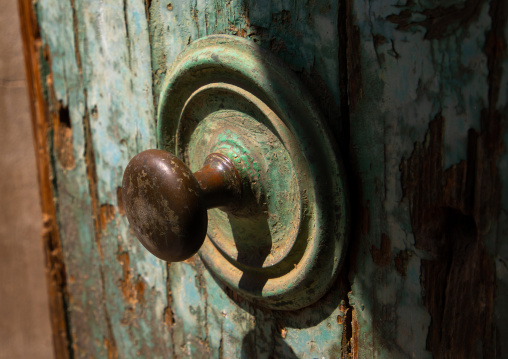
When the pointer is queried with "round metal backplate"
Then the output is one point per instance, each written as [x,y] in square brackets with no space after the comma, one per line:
[282,246]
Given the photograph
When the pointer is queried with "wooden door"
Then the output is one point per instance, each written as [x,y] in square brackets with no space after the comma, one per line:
[415,93]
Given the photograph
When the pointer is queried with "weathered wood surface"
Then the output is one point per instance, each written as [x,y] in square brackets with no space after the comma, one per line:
[97,113]
[25,330]
[41,122]
[428,102]
[416,95]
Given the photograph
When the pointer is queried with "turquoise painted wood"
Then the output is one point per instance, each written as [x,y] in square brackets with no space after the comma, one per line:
[416,96]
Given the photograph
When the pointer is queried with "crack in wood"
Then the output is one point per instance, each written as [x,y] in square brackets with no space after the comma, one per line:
[169,314]
[101,214]
[127,35]
[350,85]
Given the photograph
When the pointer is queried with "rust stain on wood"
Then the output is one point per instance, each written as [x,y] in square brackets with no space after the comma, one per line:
[133,289]
[242,32]
[169,314]
[111,349]
[119,198]
[354,337]
[350,332]
[106,215]
[281,329]
[62,127]
[341,318]
[169,319]
[148,3]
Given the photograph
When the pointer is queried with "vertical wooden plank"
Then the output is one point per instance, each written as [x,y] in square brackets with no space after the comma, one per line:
[208,320]
[121,123]
[41,123]
[426,120]
[97,82]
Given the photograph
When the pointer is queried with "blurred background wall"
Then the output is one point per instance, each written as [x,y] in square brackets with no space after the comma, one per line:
[24,315]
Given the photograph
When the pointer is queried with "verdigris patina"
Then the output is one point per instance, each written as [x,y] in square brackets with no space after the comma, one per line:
[282,247]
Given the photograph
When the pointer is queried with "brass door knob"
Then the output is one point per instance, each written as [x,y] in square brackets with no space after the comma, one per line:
[271,168]
[166,204]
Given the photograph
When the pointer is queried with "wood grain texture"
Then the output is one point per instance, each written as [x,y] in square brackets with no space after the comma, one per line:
[427,124]
[97,112]
[55,266]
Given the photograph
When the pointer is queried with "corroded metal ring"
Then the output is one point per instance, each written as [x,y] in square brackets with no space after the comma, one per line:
[283,246]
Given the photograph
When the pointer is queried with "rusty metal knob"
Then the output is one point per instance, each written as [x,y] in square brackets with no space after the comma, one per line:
[166,204]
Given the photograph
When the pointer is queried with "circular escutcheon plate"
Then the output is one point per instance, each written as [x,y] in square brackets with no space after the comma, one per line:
[282,246]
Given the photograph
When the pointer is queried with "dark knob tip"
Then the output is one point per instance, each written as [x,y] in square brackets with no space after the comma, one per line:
[164,205]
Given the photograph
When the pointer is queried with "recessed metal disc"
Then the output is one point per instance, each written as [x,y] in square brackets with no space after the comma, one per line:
[282,247]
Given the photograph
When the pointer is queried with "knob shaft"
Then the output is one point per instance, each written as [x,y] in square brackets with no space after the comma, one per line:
[166,203]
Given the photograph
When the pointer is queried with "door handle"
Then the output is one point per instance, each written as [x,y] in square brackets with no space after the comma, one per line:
[255,185]
[166,203]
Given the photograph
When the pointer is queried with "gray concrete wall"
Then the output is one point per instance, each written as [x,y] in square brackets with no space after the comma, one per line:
[24,315]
